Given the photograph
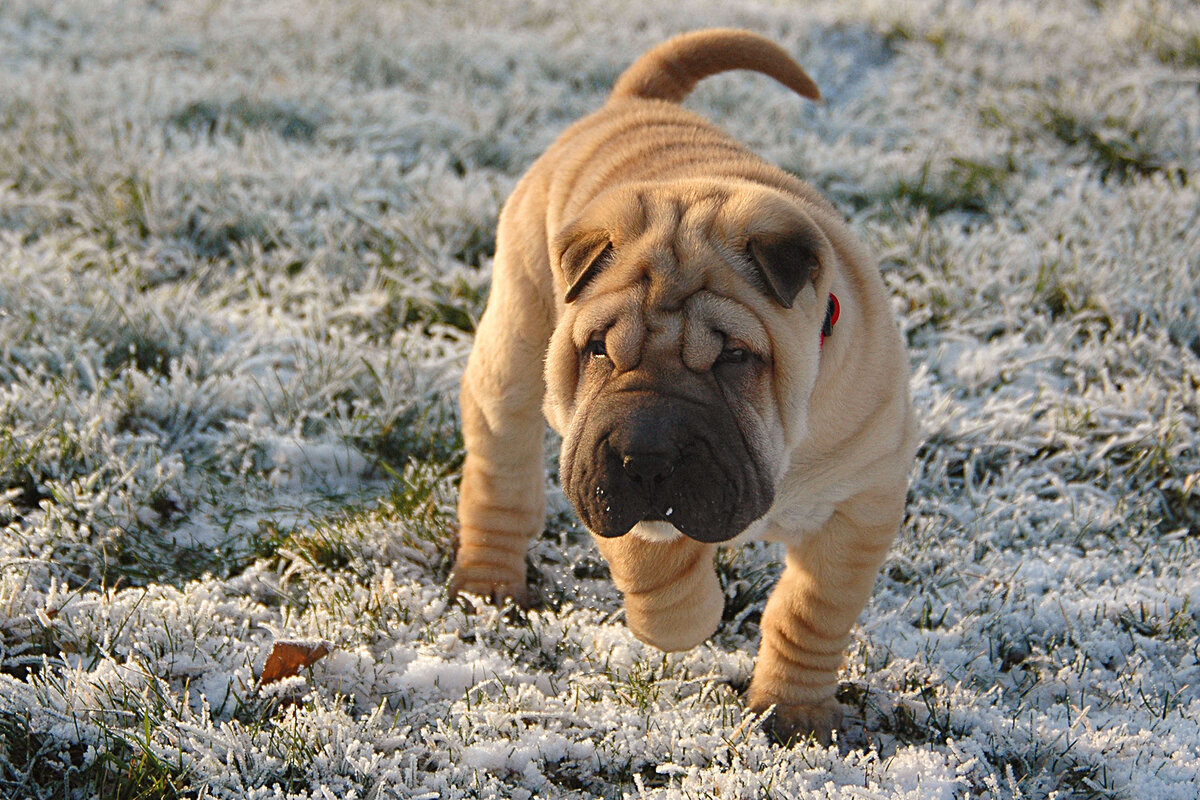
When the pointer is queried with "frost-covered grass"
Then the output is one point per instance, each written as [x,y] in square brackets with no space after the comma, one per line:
[242,247]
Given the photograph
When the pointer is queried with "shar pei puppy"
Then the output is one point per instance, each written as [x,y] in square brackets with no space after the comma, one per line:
[719,356]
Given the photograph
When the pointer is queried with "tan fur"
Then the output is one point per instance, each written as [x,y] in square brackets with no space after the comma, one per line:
[679,200]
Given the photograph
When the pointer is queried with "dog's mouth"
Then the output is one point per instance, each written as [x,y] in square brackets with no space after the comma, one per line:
[707,515]
[655,531]
[695,489]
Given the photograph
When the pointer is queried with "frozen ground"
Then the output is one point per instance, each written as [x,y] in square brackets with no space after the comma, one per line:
[242,245]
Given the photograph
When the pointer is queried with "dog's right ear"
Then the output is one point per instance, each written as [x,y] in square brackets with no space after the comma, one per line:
[581,257]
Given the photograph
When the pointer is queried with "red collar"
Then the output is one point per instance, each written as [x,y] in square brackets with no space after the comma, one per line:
[832,312]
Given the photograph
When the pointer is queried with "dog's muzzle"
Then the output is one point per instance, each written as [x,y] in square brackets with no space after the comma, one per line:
[661,458]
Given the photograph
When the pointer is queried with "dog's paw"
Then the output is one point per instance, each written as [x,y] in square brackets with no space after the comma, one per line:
[675,624]
[788,723]
[498,589]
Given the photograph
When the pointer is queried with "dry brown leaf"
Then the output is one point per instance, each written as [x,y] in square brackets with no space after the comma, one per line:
[288,658]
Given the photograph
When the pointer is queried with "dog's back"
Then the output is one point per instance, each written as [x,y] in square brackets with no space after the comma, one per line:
[642,134]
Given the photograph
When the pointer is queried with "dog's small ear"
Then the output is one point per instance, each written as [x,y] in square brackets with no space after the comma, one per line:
[786,262]
[581,258]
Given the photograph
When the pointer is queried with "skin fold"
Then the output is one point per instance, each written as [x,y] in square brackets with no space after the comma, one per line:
[658,295]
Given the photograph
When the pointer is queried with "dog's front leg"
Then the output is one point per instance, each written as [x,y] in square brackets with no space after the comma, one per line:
[673,599]
[502,498]
[806,625]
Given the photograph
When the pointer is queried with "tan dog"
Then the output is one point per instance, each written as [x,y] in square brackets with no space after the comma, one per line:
[664,293]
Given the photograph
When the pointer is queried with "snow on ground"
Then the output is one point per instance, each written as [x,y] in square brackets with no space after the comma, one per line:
[242,247]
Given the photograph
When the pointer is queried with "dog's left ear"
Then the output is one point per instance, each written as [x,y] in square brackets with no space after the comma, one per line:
[786,261]
[581,257]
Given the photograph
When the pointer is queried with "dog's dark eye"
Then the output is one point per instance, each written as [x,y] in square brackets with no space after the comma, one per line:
[734,355]
[595,349]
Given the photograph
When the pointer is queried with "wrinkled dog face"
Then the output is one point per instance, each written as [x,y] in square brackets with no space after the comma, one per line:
[662,440]
[660,373]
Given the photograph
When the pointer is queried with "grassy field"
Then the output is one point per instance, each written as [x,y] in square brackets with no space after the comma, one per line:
[243,245]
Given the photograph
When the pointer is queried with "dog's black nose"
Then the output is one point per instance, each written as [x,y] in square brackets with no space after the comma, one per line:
[648,468]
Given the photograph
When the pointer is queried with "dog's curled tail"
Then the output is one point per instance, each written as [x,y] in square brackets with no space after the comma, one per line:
[670,70]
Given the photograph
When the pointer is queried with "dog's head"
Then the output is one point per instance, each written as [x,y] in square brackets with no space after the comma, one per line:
[680,370]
